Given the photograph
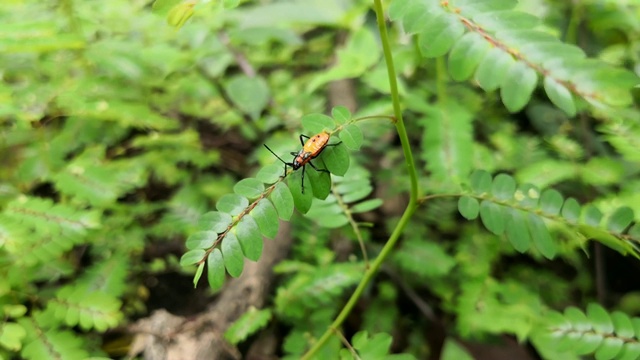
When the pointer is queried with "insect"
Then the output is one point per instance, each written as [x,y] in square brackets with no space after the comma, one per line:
[310,150]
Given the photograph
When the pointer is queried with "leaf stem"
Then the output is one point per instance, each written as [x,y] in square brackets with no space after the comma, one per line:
[414,195]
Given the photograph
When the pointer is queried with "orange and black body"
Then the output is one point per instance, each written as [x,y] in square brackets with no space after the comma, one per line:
[310,150]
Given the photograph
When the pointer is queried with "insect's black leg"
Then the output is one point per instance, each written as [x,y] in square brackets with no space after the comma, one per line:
[303,179]
[284,162]
[338,143]
[303,136]
[316,169]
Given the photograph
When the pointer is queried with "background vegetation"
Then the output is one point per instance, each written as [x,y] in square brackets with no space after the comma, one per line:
[485,145]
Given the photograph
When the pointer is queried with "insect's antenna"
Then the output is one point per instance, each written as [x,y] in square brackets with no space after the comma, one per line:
[274,154]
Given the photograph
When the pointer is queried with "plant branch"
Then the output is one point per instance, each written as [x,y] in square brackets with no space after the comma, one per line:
[413,199]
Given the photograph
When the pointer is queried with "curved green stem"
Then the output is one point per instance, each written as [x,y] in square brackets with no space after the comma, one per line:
[413,199]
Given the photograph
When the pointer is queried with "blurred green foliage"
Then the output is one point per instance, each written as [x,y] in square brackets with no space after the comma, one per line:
[126,128]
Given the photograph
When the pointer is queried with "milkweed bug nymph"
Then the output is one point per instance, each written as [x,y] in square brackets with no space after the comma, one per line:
[310,150]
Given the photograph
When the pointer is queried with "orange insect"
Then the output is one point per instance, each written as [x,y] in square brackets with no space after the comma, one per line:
[310,150]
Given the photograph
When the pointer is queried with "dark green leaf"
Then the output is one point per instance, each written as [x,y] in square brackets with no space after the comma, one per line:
[491,70]
[468,207]
[250,188]
[320,182]
[214,221]
[232,204]
[270,173]
[517,86]
[560,96]
[620,219]
[352,136]
[337,159]
[215,269]
[201,240]
[517,230]
[249,94]
[492,216]
[541,237]
[571,210]
[250,238]
[282,201]
[301,199]
[232,254]
[267,218]
[341,114]
[192,257]
[198,274]
[504,186]
[466,55]
[367,205]
[551,202]
[317,123]
[440,35]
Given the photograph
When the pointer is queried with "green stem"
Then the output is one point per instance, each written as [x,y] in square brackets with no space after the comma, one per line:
[413,199]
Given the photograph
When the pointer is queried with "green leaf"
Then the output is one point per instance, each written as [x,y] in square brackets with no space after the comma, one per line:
[232,204]
[249,323]
[609,349]
[250,188]
[592,216]
[468,207]
[367,205]
[11,336]
[622,324]
[491,70]
[232,254]
[560,96]
[466,55]
[517,230]
[317,123]
[505,20]
[249,94]
[352,136]
[336,158]
[180,14]
[481,182]
[301,199]
[282,201]
[162,7]
[198,274]
[551,202]
[517,86]
[267,218]
[214,221]
[620,219]
[503,187]
[571,210]
[600,318]
[320,183]
[492,216]
[340,114]
[270,173]
[215,269]
[541,237]
[453,351]
[201,240]
[440,35]
[250,238]
[192,257]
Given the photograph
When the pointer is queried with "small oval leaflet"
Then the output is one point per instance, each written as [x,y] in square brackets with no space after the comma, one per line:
[250,188]
[232,204]
[317,123]
[214,221]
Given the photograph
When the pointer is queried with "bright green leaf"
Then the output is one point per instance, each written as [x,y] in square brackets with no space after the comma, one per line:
[214,221]
[232,254]
[215,269]
[620,219]
[551,202]
[341,114]
[440,35]
[468,207]
[491,70]
[466,55]
[249,94]
[492,216]
[517,231]
[337,159]
[250,322]
[250,238]
[560,96]
[267,218]
[317,123]
[517,86]
[270,173]
[250,188]
[198,274]
[503,187]
[352,136]
[201,240]
[283,201]
[571,210]
[367,205]
[541,237]
[232,204]
[192,257]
